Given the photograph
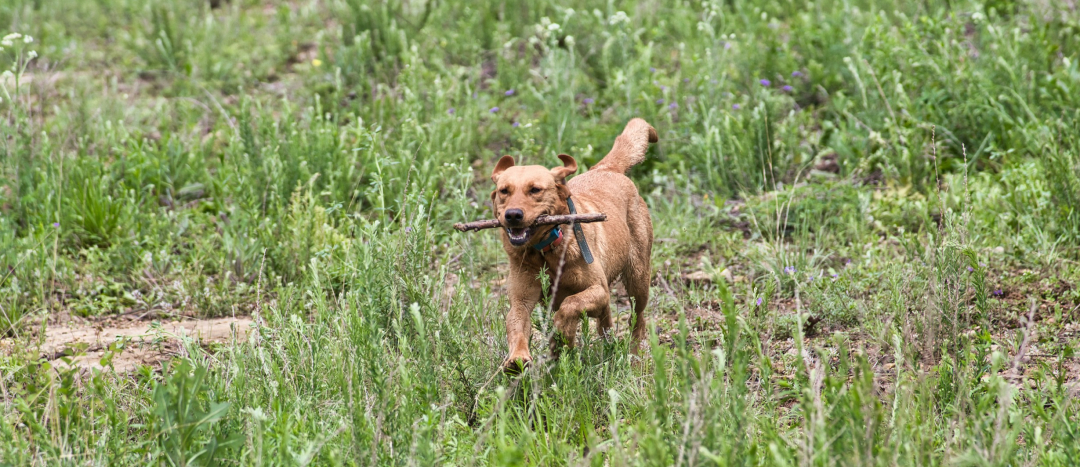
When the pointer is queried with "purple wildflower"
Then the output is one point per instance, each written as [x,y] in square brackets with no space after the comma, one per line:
[659,101]
[515,125]
[451,111]
[673,106]
[652,70]
[408,229]
[713,81]
[759,301]
[735,106]
[663,88]
[494,109]
[727,45]
[510,92]
[796,74]
[686,80]
[587,100]
[765,82]
[789,270]
[56,224]
[834,276]
[970,269]
[811,278]
[982,265]
[998,292]
[787,88]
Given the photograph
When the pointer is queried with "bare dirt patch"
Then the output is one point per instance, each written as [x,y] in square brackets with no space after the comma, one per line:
[129,343]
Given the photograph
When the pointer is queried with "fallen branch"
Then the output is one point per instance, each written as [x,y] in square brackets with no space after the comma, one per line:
[542,220]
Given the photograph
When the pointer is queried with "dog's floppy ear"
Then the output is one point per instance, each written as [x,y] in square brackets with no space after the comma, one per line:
[568,168]
[505,163]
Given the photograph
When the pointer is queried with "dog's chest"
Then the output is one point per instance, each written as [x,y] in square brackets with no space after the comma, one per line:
[571,279]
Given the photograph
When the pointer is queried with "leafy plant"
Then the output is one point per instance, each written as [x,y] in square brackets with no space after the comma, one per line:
[95,217]
[184,423]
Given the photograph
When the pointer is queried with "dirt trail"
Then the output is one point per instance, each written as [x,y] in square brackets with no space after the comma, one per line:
[84,344]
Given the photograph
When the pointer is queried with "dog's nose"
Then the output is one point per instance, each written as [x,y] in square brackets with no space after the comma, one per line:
[514,215]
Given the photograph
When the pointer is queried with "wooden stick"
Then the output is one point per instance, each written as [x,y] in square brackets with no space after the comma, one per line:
[542,220]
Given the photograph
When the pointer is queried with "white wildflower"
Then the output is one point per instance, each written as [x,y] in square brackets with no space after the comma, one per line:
[6,42]
[553,27]
[27,39]
[618,17]
[32,54]
[570,41]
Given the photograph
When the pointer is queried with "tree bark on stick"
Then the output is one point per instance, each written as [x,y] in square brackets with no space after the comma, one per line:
[542,220]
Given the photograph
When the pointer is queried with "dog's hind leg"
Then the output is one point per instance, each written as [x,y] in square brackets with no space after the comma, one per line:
[637,287]
[637,276]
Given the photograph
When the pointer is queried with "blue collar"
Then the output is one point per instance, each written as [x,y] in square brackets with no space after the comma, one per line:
[554,237]
[553,240]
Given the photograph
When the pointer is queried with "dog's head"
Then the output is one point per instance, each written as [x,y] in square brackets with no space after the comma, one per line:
[523,193]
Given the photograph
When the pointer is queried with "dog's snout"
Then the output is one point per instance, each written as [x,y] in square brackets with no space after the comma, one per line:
[514,215]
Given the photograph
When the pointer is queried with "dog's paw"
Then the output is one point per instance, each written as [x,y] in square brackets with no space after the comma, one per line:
[517,364]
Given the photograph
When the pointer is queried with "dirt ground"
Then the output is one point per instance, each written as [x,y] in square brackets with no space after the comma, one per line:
[125,343]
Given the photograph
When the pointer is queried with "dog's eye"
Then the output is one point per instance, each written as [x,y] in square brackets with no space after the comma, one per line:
[504,191]
[534,190]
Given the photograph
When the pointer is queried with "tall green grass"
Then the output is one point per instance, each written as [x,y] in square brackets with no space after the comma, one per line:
[878,192]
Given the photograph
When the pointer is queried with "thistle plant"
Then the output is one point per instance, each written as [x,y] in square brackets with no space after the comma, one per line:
[16,46]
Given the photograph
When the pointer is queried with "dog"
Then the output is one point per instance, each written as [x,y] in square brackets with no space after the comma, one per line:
[581,270]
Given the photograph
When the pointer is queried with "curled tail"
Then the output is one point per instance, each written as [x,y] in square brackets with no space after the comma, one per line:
[629,149]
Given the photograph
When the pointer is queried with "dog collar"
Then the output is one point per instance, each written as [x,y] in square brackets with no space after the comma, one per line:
[553,240]
[579,234]
[554,237]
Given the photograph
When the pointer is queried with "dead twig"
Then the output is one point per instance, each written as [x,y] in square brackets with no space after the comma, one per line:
[542,220]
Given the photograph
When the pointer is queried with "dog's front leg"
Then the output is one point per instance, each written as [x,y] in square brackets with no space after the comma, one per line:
[594,299]
[524,292]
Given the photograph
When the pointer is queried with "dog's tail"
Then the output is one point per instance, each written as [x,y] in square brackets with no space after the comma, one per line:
[629,149]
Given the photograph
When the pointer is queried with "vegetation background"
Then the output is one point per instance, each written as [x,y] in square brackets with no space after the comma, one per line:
[867,216]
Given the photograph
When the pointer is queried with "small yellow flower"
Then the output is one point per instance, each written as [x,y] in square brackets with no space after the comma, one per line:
[316,62]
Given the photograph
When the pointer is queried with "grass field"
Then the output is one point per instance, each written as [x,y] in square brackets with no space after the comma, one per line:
[867,220]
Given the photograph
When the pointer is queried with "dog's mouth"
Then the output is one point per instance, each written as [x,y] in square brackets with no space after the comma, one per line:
[518,236]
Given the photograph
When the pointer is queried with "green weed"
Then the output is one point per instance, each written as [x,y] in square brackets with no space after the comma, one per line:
[865,217]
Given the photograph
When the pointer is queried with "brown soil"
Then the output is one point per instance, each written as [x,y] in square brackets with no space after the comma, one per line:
[83,344]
